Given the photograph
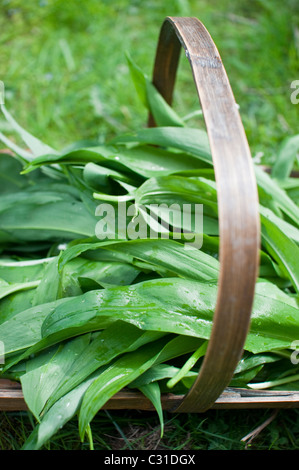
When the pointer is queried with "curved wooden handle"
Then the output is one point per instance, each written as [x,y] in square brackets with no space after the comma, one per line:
[237,201]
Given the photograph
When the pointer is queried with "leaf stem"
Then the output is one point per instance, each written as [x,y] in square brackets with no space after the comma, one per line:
[89,435]
[188,365]
[108,197]
[273,383]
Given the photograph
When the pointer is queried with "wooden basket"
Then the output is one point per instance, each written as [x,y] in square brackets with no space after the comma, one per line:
[239,232]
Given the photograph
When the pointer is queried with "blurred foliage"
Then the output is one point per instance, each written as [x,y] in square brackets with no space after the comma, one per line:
[66,77]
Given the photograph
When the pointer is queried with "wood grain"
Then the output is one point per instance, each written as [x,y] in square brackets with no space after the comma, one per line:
[237,199]
[11,399]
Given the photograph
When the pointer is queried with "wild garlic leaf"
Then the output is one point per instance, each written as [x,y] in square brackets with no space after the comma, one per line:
[285,160]
[36,146]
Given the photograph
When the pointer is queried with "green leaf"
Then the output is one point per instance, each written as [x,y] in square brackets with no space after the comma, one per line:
[172,188]
[24,328]
[153,393]
[242,379]
[133,163]
[41,381]
[250,361]
[183,261]
[10,178]
[159,372]
[286,157]
[108,344]
[114,378]
[57,416]
[189,364]
[282,249]
[291,186]
[177,306]
[7,289]
[139,80]
[288,229]
[277,195]
[23,270]
[171,198]
[23,155]
[154,305]
[124,370]
[36,146]
[47,290]
[148,160]
[104,179]
[15,303]
[164,114]
[104,155]
[193,141]
[51,220]
[166,254]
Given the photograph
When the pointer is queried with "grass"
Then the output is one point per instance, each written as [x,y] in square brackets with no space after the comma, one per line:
[133,430]
[66,78]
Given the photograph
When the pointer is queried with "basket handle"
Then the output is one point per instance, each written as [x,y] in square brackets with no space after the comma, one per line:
[239,222]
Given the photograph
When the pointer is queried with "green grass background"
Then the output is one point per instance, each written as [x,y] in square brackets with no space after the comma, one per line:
[66,79]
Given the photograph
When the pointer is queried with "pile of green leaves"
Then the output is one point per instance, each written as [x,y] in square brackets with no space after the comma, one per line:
[82,317]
